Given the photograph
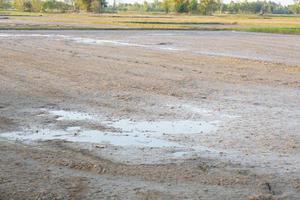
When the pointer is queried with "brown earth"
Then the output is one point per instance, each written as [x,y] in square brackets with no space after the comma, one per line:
[246,84]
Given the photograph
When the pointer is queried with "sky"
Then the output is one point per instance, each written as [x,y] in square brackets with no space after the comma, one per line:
[283,2]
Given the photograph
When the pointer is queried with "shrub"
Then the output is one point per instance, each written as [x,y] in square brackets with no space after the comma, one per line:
[19,5]
[193,6]
[37,5]
[84,5]
[5,5]
[95,6]
[27,6]
[55,6]
[181,6]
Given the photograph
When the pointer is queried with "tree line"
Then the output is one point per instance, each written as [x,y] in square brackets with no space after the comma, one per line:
[208,7]
[204,7]
[54,5]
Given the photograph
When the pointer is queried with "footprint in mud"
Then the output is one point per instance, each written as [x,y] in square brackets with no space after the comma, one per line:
[165,43]
[3,106]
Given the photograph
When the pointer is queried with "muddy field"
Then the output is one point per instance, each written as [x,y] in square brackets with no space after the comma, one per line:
[149,115]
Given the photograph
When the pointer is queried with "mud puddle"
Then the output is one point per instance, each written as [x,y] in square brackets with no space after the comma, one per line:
[164,127]
[91,136]
[89,41]
[71,115]
[128,132]
[171,139]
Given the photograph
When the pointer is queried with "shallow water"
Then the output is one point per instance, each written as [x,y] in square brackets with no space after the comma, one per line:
[164,135]
[71,115]
[129,132]
[91,136]
[164,127]
[91,41]
[141,127]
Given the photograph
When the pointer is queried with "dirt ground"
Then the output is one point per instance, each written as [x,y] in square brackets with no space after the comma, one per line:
[149,115]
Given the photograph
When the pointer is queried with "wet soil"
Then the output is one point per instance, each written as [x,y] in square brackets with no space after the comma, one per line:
[118,115]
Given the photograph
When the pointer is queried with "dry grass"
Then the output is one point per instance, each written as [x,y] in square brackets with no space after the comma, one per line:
[272,23]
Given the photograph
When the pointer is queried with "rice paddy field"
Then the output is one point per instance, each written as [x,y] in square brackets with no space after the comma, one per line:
[286,24]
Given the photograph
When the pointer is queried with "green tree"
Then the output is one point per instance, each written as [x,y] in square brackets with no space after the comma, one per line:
[18,4]
[5,4]
[156,5]
[181,6]
[37,5]
[193,6]
[55,6]
[233,7]
[103,4]
[207,7]
[27,6]
[296,7]
[90,5]
[146,6]
[167,5]
[24,5]
[219,5]
[95,6]
[82,5]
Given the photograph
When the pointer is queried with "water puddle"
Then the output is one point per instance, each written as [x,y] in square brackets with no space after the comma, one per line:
[82,40]
[132,127]
[97,41]
[75,134]
[90,41]
[164,127]
[128,132]
[72,116]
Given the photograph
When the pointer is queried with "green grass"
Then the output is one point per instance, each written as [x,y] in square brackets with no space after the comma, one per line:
[174,23]
[12,13]
[280,30]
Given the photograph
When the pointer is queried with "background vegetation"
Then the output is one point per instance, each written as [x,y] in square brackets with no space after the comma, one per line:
[257,16]
[203,7]
[209,7]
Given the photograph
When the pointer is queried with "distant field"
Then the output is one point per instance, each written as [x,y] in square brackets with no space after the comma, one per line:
[286,24]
